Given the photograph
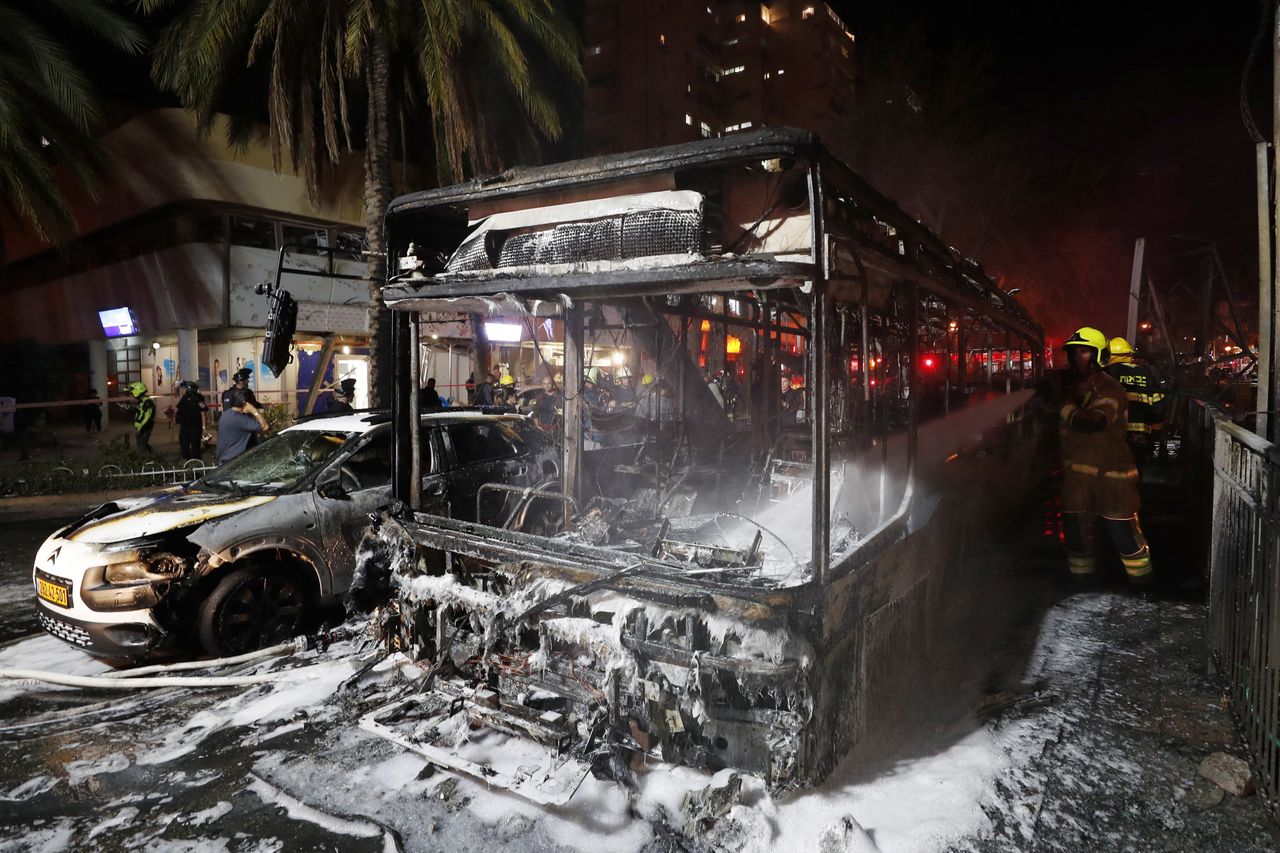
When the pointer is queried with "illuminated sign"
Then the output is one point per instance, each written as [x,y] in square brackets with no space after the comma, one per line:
[117,322]
[504,333]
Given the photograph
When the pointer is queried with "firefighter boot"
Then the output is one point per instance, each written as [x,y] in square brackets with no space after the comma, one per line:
[1077,529]
[1135,554]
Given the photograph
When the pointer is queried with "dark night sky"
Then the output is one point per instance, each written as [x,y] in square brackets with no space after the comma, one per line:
[1140,100]
[1144,97]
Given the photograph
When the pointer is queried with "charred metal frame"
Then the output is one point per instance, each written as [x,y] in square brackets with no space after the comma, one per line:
[801,710]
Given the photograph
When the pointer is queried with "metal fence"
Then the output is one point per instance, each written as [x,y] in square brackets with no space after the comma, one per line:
[70,477]
[1244,582]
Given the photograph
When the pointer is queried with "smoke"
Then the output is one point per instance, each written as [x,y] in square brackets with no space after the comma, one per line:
[867,489]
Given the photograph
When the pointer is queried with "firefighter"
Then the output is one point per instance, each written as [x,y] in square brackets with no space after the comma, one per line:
[506,393]
[1146,400]
[1100,479]
[144,415]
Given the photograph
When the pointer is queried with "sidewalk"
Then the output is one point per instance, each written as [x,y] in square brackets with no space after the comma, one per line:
[1112,763]
[74,443]
[16,510]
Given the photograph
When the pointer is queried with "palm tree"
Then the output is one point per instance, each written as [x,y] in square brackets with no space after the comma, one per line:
[471,65]
[47,108]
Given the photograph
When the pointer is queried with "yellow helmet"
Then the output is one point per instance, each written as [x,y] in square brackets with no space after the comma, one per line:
[647,379]
[1121,350]
[508,379]
[1087,336]
[137,389]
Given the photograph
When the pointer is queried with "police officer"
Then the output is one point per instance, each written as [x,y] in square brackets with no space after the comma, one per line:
[144,415]
[190,417]
[1146,399]
[1100,479]
[239,382]
[342,397]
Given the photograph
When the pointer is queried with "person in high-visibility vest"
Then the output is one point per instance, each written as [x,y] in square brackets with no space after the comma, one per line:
[144,415]
[1100,479]
[1146,399]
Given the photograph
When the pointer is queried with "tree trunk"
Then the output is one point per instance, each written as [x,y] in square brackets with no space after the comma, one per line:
[377,195]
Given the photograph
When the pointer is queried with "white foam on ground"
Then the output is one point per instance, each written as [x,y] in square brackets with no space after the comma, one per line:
[44,651]
[259,705]
[208,815]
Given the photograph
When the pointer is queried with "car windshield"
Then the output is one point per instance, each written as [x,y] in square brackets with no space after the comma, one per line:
[279,463]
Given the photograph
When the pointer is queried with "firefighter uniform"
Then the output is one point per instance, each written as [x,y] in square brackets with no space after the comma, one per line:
[1145,398]
[1100,479]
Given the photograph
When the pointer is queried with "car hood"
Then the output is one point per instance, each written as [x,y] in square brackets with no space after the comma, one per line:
[160,512]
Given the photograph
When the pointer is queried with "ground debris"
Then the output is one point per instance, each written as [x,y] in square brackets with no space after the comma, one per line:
[1204,796]
[447,793]
[703,808]
[1012,700]
[846,835]
[1229,773]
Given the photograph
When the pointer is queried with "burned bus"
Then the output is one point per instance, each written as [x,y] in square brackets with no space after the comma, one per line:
[780,404]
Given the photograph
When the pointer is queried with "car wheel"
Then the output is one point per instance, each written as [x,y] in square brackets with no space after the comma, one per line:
[252,608]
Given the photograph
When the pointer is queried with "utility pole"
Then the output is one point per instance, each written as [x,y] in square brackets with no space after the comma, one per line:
[1268,208]
[1135,291]
[1265,308]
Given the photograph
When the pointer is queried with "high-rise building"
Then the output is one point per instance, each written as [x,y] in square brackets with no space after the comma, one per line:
[666,71]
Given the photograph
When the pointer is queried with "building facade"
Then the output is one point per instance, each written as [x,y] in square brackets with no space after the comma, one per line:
[661,72]
[179,236]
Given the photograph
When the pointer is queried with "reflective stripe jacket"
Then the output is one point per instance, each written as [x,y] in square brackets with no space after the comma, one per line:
[1146,400]
[145,414]
[1093,422]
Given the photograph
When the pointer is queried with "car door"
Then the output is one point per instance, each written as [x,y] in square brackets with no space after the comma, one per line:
[363,478]
[487,451]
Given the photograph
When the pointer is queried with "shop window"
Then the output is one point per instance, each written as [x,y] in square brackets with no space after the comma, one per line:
[128,367]
[255,233]
[306,240]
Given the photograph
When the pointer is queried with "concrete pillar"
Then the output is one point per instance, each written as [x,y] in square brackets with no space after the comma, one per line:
[188,355]
[98,371]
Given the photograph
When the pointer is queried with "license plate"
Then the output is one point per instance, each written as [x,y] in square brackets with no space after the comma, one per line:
[55,593]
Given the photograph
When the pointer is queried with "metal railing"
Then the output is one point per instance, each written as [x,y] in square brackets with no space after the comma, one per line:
[1244,582]
[73,477]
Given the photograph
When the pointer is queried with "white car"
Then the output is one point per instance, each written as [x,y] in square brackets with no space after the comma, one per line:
[248,555]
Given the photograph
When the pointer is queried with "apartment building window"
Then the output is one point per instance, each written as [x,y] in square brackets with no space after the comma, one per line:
[742,125]
[706,130]
[737,69]
[807,13]
[595,49]
[742,18]
[730,42]
[688,119]
[662,39]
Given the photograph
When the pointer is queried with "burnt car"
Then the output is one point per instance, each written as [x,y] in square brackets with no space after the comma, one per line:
[251,554]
